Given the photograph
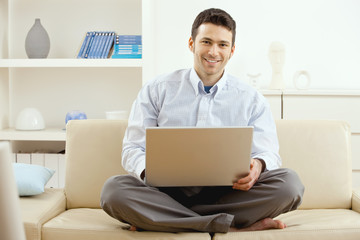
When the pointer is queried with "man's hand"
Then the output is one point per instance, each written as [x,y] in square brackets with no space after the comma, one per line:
[246,183]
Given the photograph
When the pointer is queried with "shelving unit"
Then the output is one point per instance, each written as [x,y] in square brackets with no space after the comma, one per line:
[50,134]
[62,83]
[70,63]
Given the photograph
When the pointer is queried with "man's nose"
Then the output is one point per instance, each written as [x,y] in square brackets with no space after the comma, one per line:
[213,51]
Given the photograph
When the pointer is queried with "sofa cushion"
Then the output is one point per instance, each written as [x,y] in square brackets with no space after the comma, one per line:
[31,179]
[320,224]
[93,154]
[95,224]
[36,210]
[319,151]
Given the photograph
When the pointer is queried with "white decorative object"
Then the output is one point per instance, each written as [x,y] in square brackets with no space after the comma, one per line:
[254,79]
[302,80]
[30,119]
[117,115]
[277,60]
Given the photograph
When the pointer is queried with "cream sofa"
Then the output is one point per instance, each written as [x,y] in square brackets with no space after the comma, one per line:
[318,150]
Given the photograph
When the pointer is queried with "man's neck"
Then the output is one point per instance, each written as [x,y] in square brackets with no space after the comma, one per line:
[210,80]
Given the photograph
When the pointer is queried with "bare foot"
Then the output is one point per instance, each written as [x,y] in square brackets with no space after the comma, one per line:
[264,224]
[132,228]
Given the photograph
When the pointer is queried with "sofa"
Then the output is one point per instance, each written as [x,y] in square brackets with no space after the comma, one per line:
[318,150]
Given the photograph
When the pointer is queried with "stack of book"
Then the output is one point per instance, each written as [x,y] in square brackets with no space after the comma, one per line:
[127,46]
[97,45]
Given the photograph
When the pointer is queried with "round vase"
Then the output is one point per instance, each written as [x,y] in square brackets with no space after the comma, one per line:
[37,43]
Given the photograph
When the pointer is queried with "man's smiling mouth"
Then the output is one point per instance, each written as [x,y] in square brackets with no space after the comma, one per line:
[212,60]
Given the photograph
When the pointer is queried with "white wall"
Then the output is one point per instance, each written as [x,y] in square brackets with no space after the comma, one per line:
[320,36]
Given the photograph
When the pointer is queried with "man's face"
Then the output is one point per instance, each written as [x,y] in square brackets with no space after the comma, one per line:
[212,50]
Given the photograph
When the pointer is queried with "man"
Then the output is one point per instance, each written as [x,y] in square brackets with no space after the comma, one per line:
[203,96]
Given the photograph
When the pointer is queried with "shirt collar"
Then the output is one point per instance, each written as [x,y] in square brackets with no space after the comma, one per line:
[198,84]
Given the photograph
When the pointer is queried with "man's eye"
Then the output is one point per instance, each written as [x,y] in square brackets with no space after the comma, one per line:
[206,42]
[224,45]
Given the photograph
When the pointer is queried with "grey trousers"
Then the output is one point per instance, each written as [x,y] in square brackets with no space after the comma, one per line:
[213,209]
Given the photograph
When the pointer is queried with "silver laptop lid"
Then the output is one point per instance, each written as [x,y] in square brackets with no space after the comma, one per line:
[191,156]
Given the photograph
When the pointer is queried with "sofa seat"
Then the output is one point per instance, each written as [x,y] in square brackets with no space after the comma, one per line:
[37,210]
[326,224]
[95,224]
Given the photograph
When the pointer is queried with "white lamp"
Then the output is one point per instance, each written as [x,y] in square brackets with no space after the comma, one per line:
[11,226]
[30,119]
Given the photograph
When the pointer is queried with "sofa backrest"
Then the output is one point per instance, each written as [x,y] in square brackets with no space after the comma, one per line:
[320,152]
[93,154]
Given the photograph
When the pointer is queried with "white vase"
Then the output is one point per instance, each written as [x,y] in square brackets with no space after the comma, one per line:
[37,42]
[277,81]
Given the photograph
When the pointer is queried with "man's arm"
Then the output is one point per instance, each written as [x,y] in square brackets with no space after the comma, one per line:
[265,149]
[265,141]
[143,114]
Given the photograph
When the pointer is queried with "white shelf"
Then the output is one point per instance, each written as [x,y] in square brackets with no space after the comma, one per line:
[69,62]
[270,92]
[322,92]
[50,134]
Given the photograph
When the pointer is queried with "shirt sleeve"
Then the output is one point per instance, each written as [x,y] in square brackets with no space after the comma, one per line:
[265,140]
[143,114]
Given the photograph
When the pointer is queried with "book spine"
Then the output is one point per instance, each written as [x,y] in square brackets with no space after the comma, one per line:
[132,48]
[105,40]
[109,44]
[127,56]
[129,39]
[86,45]
[91,38]
[83,45]
[96,50]
[100,47]
[94,45]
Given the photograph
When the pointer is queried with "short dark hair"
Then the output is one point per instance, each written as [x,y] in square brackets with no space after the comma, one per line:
[215,16]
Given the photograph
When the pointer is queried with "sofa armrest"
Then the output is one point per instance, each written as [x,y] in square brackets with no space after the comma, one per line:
[356,200]
[39,209]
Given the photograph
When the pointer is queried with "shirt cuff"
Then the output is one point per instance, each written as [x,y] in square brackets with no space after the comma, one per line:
[139,169]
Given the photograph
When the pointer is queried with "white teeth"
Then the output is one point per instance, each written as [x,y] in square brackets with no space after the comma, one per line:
[211,61]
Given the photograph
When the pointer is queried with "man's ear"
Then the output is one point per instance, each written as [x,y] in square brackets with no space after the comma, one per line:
[232,51]
[191,44]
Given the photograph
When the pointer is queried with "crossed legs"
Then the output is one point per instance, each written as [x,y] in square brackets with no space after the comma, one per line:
[213,209]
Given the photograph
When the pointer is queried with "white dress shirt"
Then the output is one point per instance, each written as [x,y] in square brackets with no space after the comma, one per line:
[179,99]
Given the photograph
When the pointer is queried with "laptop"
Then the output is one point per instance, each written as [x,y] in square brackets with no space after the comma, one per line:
[192,156]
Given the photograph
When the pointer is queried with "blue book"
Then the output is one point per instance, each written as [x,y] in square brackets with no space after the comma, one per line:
[83,45]
[101,45]
[128,49]
[128,42]
[109,44]
[128,39]
[86,45]
[107,36]
[107,39]
[94,45]
[97,46]
[86,53]
[131,56]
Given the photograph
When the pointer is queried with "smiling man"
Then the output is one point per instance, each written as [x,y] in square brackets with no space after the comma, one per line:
[204,96]
[212,47]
